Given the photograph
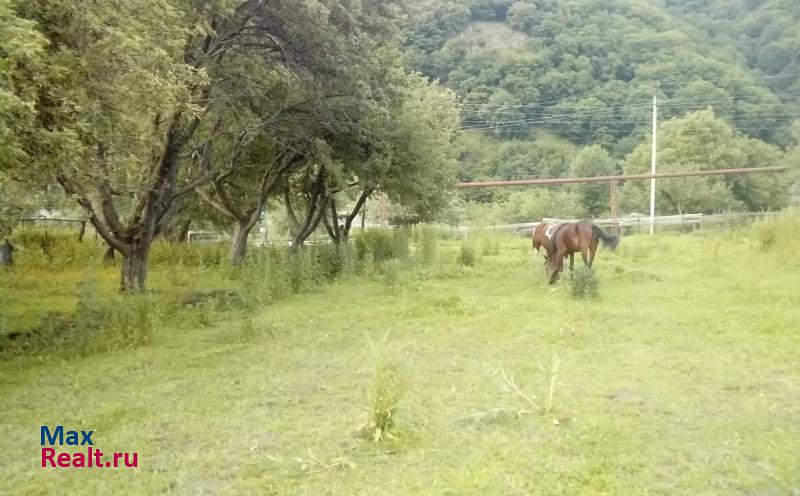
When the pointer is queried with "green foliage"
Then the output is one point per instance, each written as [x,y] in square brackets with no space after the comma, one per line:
[584,73]
[54,248]
[189,255]
[303,271]
[330,260]
[385,393]
[426,238]
[21,52]
[382,244]
[779,232]
[594,161]
[391,273]
[468,253]
[767,234]
[489,245]
[584,284]
[701,141]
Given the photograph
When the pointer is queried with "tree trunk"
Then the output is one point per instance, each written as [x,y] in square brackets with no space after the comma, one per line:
[134,268]
[360,206]
[108,256]
[239,245]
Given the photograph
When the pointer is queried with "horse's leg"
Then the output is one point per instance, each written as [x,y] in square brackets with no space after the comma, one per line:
[571,262]
[556,266]
[592,251]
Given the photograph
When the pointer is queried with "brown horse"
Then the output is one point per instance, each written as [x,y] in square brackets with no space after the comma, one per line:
[539,239]
[570,238]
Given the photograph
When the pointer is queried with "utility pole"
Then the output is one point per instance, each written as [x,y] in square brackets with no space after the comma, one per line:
[653,163]
[614,199]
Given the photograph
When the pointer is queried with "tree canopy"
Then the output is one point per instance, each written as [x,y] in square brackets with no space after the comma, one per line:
[528,72]
[135,109]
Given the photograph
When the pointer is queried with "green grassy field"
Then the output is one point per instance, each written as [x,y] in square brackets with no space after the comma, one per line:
[683,377]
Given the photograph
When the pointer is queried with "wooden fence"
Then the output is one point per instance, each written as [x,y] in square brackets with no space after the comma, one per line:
[639,223]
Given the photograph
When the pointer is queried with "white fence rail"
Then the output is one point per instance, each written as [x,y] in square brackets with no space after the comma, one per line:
[627,225]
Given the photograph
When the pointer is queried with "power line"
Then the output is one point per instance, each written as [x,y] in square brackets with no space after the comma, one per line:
[779,122]
[760,128]
[671,102]
[776,76]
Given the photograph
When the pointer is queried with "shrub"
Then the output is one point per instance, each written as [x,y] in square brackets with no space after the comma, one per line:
[127,324]
[468,254]
[111,323]
[381,244]
[329,260]
[303,270]
[426,238]
[584,284]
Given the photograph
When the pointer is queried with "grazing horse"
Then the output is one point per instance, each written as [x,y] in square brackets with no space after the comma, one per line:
[570,238]
[541,238]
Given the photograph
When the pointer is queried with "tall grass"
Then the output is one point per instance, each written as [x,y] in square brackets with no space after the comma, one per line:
[190,286]
[468,253]
[386,390]
[781,231]
[425,237]
[53,249]
[382,244]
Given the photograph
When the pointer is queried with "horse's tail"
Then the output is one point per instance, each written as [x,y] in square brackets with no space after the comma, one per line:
[608,239]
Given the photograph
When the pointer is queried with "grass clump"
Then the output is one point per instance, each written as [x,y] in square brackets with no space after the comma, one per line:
[490,246]
[584,284]
[468,254]
[767,234]
[782,230]
[385,393]
[391,273]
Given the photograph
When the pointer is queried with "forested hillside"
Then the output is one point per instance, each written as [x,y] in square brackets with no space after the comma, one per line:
[551,89]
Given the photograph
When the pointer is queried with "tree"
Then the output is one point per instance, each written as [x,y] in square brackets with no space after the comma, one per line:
[418,162]
[700,141]
[21,51]
[593,161]
[279,128]
[129,86]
